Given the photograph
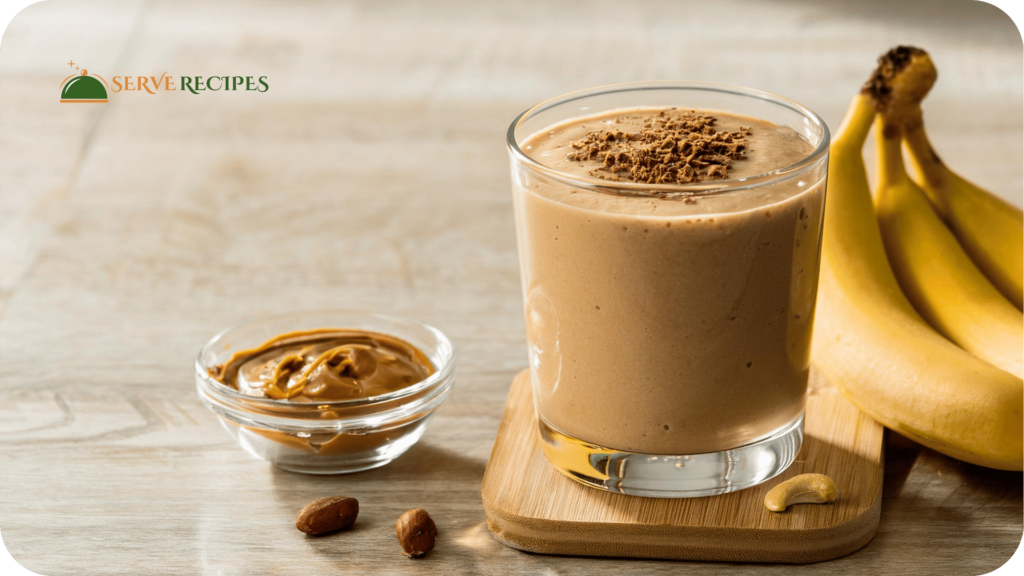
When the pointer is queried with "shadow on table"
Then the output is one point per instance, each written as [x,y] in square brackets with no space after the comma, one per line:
[422,463]
[444,482]
[910,468]
[429,462]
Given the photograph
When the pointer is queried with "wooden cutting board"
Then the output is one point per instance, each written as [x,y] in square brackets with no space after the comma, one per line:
[532,507]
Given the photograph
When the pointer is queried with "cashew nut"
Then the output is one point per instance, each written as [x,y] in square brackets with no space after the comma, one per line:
[802,489]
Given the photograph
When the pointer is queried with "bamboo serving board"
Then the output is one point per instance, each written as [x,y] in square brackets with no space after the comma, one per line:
[532,507]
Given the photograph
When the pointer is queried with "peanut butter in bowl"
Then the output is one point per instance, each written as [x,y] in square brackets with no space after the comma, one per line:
[324,364]
[326,400]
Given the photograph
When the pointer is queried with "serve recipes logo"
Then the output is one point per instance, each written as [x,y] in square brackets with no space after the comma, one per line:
[80,87]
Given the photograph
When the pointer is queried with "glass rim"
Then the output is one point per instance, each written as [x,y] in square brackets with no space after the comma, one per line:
[668,191]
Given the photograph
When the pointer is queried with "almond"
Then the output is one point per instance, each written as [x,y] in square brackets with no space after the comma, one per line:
[328,514]
[416,532]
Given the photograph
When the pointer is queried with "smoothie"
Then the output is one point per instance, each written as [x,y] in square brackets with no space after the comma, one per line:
[662,319]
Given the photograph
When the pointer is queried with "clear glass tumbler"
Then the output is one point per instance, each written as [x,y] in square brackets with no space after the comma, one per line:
[669,326]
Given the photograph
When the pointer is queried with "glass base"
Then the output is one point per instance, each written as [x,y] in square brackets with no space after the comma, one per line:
[287,456]
[672,476]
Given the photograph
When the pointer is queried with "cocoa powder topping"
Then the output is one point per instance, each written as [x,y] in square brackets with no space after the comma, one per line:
[671,148]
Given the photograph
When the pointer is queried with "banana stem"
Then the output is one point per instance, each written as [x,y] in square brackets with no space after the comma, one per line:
[888,137]
[917,140]
[854,128]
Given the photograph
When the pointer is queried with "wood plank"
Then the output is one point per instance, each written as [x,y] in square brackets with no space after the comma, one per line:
[34,132]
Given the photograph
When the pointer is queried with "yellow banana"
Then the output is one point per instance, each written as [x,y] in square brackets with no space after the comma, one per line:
[872,345]
[990,229]
[934,271]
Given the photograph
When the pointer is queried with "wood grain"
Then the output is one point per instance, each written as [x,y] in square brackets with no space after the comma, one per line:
[373,175]
[532,507]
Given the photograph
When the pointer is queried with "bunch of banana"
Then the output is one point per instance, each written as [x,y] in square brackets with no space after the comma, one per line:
[936,274]
[870,341]
[990,231]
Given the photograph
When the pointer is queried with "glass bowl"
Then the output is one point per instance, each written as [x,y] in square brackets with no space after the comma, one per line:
[331,437]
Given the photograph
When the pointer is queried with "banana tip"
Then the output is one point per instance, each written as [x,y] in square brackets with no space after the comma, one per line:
[902,78]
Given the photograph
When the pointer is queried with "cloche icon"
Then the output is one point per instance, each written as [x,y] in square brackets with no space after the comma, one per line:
[83,88]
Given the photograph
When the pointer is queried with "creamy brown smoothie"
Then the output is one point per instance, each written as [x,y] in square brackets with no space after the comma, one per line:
[662,321]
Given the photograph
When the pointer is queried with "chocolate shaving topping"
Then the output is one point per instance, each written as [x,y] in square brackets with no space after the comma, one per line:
[670,148]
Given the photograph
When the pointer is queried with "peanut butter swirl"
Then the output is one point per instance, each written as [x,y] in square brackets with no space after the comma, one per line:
[324,364]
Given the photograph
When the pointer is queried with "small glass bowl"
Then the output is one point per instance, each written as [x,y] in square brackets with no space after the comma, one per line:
[333,437]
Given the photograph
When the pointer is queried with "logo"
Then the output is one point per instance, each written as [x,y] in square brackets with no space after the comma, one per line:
[82,88]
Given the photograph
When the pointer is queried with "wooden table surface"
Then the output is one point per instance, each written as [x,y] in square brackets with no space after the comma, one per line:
[372,175]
